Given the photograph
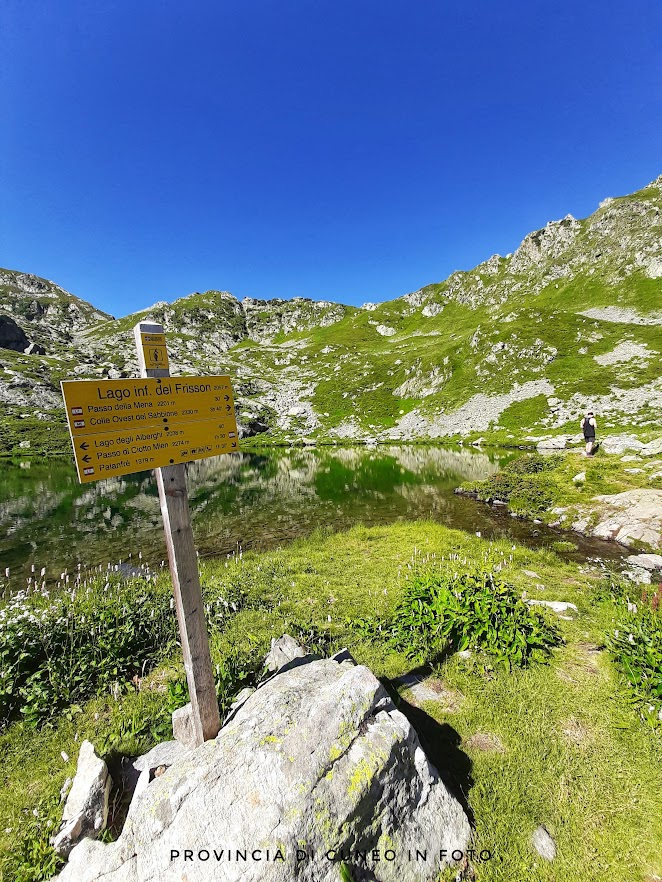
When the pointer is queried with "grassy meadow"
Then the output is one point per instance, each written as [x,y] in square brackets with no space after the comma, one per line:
[565,738]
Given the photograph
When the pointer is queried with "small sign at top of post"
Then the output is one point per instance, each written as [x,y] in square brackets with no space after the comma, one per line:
[123,426]
[154,351]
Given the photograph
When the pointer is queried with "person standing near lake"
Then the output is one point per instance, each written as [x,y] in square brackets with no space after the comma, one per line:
[589,427]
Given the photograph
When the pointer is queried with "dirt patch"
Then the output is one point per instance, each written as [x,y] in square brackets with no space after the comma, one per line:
[431,689]
[486,743]
[589,654]
[585,661]
[576,732]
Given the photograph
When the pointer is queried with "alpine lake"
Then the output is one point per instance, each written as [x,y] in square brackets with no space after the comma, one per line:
[252,500]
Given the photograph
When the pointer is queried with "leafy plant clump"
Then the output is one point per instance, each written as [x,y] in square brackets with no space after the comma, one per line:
[477,611]
[636,645]
[56,651]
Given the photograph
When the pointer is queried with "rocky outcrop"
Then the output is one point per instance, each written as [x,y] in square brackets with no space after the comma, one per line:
[631,518]
[653,448]
[47,313]
[86,808]
[316,764]
[265,319]
[620,443]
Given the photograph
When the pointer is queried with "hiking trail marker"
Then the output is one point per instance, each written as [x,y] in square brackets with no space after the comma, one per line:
[160,422]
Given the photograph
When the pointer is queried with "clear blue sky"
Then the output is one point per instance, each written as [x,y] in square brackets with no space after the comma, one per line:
[344,149]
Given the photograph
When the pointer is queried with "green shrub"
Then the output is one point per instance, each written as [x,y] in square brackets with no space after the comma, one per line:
[56,651]
[478,611]
[523,483]
[562,546]
[614,587]
[534,464]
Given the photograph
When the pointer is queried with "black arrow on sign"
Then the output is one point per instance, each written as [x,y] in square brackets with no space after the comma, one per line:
[228,407]
[234,443]
[87,458]
[84,445]
[227,397]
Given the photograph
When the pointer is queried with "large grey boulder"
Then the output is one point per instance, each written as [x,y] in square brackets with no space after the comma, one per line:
[646,561]
[318,760]
[620,443]
[559,442]
[86,809]
[634,516]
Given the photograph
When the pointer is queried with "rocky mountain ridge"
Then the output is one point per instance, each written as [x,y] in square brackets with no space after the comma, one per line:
[514,349]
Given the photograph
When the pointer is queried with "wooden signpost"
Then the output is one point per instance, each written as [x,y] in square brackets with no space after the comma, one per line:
[122,426]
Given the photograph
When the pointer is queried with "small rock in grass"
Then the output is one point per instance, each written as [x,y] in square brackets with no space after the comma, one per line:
[430,690]
[579,478]
[531,573]
[66,787]
[283,651]
[544,844]
[342,656]
[559,606]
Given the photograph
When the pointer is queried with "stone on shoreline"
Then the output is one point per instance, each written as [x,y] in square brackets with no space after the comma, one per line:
[634,516]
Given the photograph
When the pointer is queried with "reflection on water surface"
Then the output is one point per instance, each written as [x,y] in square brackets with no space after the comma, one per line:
[256,500]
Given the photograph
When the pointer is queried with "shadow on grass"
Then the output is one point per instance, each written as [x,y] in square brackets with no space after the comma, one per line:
[441,743]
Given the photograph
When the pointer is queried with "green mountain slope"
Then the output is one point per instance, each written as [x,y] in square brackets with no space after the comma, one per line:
[516,348]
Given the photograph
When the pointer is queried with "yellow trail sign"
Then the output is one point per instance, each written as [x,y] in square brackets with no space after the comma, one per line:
[105,454]
[122,426]
[110,405]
